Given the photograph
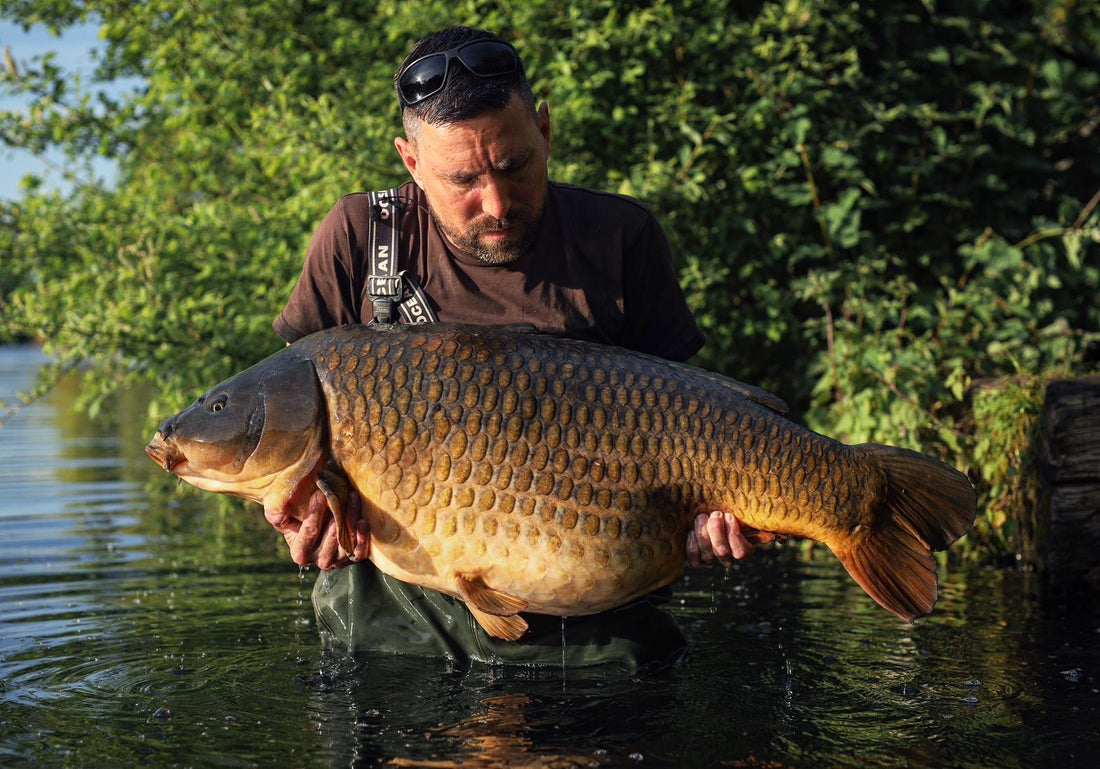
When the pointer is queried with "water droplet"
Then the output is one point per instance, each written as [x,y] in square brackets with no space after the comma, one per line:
[636,757]
[563,652]
[1073,675]
[973,683]
[162,714]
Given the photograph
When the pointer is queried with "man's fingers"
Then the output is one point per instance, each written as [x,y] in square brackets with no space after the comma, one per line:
[360,529]
[693,555]
[362,541]
[283,522]
[327,555]
[318,504]
[740,547]
[303,545]
[716,531]
[699,549]
[717,536]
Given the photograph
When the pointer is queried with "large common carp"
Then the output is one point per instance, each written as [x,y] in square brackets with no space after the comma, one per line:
[526,472]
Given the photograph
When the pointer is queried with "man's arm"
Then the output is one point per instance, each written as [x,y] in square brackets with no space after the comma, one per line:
[658,319]
[326,294]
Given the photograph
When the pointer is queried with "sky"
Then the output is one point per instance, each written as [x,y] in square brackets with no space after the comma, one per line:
[74,53]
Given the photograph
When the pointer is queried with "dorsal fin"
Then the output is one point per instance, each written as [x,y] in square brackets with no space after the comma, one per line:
[755,394]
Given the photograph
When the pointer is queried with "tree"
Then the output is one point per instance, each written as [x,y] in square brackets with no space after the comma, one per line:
[874,207]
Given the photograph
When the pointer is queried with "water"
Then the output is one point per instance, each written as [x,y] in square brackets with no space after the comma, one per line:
[145,625]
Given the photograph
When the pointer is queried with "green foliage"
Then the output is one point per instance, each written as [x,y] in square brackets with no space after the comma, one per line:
[1007,420]
[875,205]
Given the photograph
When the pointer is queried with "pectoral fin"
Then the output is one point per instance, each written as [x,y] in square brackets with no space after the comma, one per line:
[497,612]
[334,485]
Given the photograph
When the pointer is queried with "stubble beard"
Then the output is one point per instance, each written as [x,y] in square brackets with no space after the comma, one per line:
[521,227]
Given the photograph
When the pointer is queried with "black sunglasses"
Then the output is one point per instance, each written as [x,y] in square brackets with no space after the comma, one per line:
[427,75]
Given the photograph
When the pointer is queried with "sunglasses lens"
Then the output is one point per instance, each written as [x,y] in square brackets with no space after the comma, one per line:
[423,78]
[489,58]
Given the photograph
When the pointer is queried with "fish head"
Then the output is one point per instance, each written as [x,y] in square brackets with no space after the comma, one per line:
[253,435]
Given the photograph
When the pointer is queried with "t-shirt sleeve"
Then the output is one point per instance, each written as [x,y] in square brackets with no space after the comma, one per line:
[658,320]
[325,295]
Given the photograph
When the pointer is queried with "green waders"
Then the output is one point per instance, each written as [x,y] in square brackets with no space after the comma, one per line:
[361,609]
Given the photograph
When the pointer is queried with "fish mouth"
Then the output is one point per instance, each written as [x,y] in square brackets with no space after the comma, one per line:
[165,454]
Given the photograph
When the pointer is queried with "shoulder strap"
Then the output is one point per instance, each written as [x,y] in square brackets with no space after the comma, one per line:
[386,287]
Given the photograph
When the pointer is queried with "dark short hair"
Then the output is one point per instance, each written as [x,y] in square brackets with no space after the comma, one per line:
[464,95]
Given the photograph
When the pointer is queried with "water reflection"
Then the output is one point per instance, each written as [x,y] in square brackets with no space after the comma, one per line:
[141,623]
[829,692]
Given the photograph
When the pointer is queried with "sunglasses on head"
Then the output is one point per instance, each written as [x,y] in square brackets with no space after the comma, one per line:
[426,76]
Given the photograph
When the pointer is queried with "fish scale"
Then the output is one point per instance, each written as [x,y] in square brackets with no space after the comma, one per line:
[526,472]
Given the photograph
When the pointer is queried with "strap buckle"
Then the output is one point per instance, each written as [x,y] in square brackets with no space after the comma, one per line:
[386,290]
[385,293]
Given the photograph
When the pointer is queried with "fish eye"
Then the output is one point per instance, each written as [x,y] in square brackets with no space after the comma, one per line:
[219,402]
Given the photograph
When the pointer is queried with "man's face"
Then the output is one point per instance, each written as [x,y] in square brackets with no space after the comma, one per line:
[485,178]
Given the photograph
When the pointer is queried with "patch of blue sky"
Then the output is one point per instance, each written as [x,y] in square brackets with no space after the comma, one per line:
[75,52]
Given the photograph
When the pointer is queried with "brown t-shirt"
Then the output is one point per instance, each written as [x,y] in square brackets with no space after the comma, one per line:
[600,269]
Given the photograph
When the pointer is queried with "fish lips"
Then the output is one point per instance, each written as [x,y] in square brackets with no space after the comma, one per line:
[165,453]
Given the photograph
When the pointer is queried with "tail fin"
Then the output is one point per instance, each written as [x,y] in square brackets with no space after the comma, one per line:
[928,506]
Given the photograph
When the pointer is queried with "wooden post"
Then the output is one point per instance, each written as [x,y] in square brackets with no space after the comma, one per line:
[1069,478]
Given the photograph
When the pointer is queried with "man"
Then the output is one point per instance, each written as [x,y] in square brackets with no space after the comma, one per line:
[490,240]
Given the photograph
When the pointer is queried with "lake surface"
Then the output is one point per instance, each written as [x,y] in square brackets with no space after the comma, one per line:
[143,624]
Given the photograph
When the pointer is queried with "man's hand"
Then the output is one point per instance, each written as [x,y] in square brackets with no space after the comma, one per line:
[717,536]
[313,540]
